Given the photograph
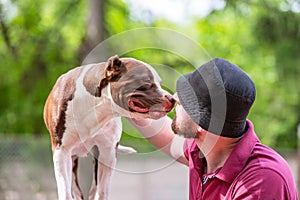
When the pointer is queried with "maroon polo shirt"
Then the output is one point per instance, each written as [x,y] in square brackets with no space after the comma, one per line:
[252,171]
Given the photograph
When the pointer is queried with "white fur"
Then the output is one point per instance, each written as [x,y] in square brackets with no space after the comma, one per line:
[86,127]
[91,121]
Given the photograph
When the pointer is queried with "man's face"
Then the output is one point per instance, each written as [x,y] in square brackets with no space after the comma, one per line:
[183,124]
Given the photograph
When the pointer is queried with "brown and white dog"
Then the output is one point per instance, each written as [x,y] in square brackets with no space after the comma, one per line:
[84,109]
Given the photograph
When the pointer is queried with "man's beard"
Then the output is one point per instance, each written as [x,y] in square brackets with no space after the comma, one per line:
[185,128]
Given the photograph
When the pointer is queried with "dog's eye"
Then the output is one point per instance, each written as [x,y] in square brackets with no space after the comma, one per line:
[145,87]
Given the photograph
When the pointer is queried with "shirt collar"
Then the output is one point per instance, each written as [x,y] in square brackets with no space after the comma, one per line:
[197,157]
[239,155]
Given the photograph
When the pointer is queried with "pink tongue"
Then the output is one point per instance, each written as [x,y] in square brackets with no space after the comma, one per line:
[137,106]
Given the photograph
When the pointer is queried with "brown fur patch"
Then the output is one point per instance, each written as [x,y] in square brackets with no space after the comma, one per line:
[92,78]
[117,145]
[113,71]
[75,174]
[57,103]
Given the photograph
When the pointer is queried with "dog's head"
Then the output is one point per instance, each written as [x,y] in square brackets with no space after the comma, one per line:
[135,87]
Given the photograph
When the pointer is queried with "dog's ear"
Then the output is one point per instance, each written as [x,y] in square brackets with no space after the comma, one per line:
[113,70]
[113,67]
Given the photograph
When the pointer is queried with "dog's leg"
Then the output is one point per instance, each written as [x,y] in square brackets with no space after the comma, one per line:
[106,164]
[77,193]
[107,143]
[63,173]
[93,190]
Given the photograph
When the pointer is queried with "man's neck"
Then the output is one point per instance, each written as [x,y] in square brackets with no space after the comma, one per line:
[216,150]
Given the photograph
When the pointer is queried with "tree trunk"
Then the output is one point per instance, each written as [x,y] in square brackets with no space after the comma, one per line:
[6,36]
[96,29]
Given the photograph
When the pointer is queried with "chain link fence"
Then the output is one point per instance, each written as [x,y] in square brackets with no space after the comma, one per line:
[26,173]
[26,168]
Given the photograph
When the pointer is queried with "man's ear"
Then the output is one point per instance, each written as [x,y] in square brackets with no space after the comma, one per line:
[113,69]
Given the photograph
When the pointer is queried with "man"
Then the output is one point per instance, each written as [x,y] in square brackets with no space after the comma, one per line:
[226,159]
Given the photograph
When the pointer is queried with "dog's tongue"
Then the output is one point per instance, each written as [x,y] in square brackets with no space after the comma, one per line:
[137,105]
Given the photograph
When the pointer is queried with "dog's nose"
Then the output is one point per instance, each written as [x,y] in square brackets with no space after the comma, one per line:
[170,98]
[171,102]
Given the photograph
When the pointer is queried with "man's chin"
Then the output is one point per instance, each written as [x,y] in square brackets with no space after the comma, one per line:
[183,133]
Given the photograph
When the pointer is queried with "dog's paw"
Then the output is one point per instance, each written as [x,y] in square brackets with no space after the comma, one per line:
[126,150]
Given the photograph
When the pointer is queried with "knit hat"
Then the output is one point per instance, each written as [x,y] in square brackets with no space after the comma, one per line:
[217,96]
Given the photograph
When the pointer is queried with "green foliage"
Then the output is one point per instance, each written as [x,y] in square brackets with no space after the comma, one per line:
[263,40]
[40,49]
[41,41]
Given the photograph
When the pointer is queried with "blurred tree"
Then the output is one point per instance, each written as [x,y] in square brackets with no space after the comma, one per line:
[266,42]
[34,49]
[38,42]
[41,41]
[279,31]
[96,29]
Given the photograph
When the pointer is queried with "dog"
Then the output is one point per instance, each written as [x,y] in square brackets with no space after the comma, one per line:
[84,110]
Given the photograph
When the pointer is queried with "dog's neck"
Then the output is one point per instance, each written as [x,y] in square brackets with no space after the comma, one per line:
[107,108]
[115,108]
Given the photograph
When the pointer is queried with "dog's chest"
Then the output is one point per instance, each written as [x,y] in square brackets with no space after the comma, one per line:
[105,137]
[90,120]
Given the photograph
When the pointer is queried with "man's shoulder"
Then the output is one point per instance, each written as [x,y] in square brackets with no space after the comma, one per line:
[264,183]
[264,157]
[266,169]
